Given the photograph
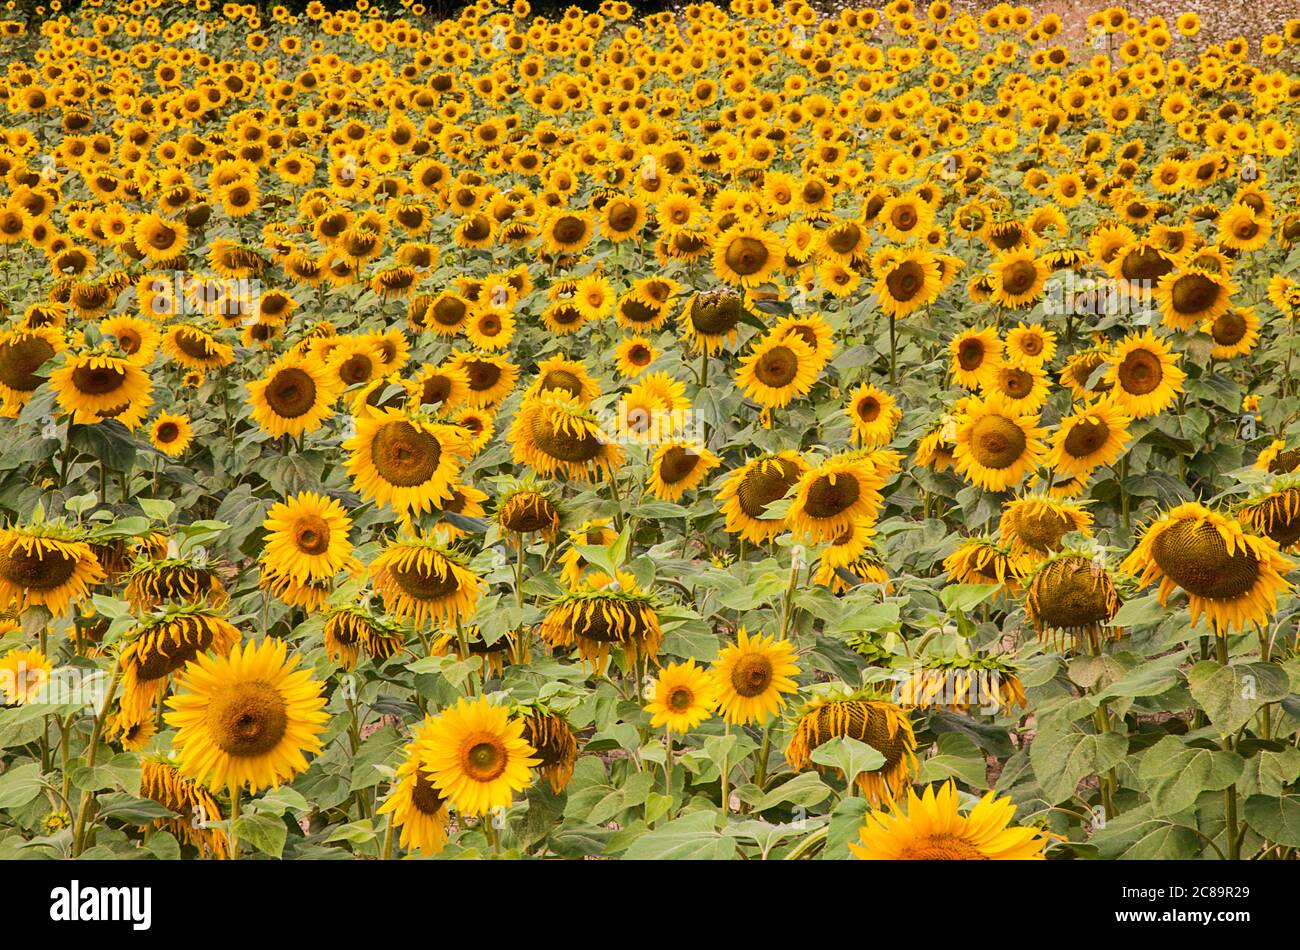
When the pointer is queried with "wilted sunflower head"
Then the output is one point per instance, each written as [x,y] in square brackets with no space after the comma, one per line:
[598,619]
[526,509]
[1072,594]
[420,579]
[869,718]
[549,733]
[1035,525]
[161,645]
[553,433]
[1274,512]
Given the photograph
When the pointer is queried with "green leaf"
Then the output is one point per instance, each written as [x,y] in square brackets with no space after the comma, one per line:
[20,785]
[1140,835]
[848,755]
[1277,819]
[263,832]
[692,837]
[1173,775]
[279,800]
[1230,695]
[804,790]
[957,757]
[1061,759]
[846,825]
[964,597]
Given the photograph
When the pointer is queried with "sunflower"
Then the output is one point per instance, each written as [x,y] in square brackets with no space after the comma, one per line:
[932,829]
[596,619]
[1029,346]
[132,734]
[22,354]
[752,676]
[171,433]
[596,533]
[418,808]
[996,446]
[975,353]
[555,745]
[295,397]
[160,646]
[1274,512]
[935,450]
[678,467]
[908,282]
[982,560]
[777,370]
[831,497]
[554,434]
[526,509]
[403,461]
[1018,278]
[1023,389]
[1092,436]
[1035,525]
[745,255]
[45,565]
[710,320]
[1234,332]
[1144,374]
[197,814]
[246,719]
[153,582]
[1072,594]
[1188,299]
[748,491]
[476,755]
[1231,577]
[874,414]
[491,378]
[307,537]
[561,374]
[632,355]
[957,683]
[24,674]
[1081,369]
[92,384]
[196,348]
[879,723]
[352,628]
[681,697]
[421,580]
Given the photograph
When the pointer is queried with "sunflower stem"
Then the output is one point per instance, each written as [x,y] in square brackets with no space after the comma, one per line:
[519,575]
[386,852]
[232,834]
[668,766]
[725,774]
[760,760]
[1229,793]
[893,352]
[83,810]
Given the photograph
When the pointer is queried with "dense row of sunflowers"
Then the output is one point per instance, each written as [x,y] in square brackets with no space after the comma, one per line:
[728,432]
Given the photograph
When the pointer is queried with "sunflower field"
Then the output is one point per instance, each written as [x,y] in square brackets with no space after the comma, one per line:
[761,432]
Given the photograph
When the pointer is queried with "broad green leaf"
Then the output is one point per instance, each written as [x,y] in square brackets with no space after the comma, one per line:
[848,755]
[692,837]
[1062,759]
[1230,695]
[1173,774]
[263,832]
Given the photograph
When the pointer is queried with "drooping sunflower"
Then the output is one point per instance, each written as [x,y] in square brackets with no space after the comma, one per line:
[420,580]
[197,813]
[1072,595]
[710,320]
[1231,577]
[249,718]
[682,696]
[552,738]
[161,645]
[307,537]
[96,384]
[748,491]
[1144,374]
[353,628]
[975,354]
[995,446]
[46,565]
[312,595]
[171,433]
[868,718]
[476,755]
[753,676]
[405,461]
[931,828]
[527,508]
[981,560]
[831,497]
[418,808]
[195,348]
[552,433]
[1092,436]
[1274,511]
[982,679]
[296,396]
[597,619]
[874,414]
[1081,369]
[678,467]
[154,582]
[24,674]
[1034,525]
[777,370]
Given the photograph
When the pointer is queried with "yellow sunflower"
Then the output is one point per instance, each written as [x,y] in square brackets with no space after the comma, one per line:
[404,461]
[418,808]
[931,828]
[975,354]
[24,674]
[777,370]
[996,446]
[678,467]
[296,396]
[1092,436]
[874,414]
[246,719]
[47,566]
[682,696]
[419,580]
[879,723]
[748,491]
[752,677]
[831,497]
[307,537]
[1144,375]
[171,433]
[476,755]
